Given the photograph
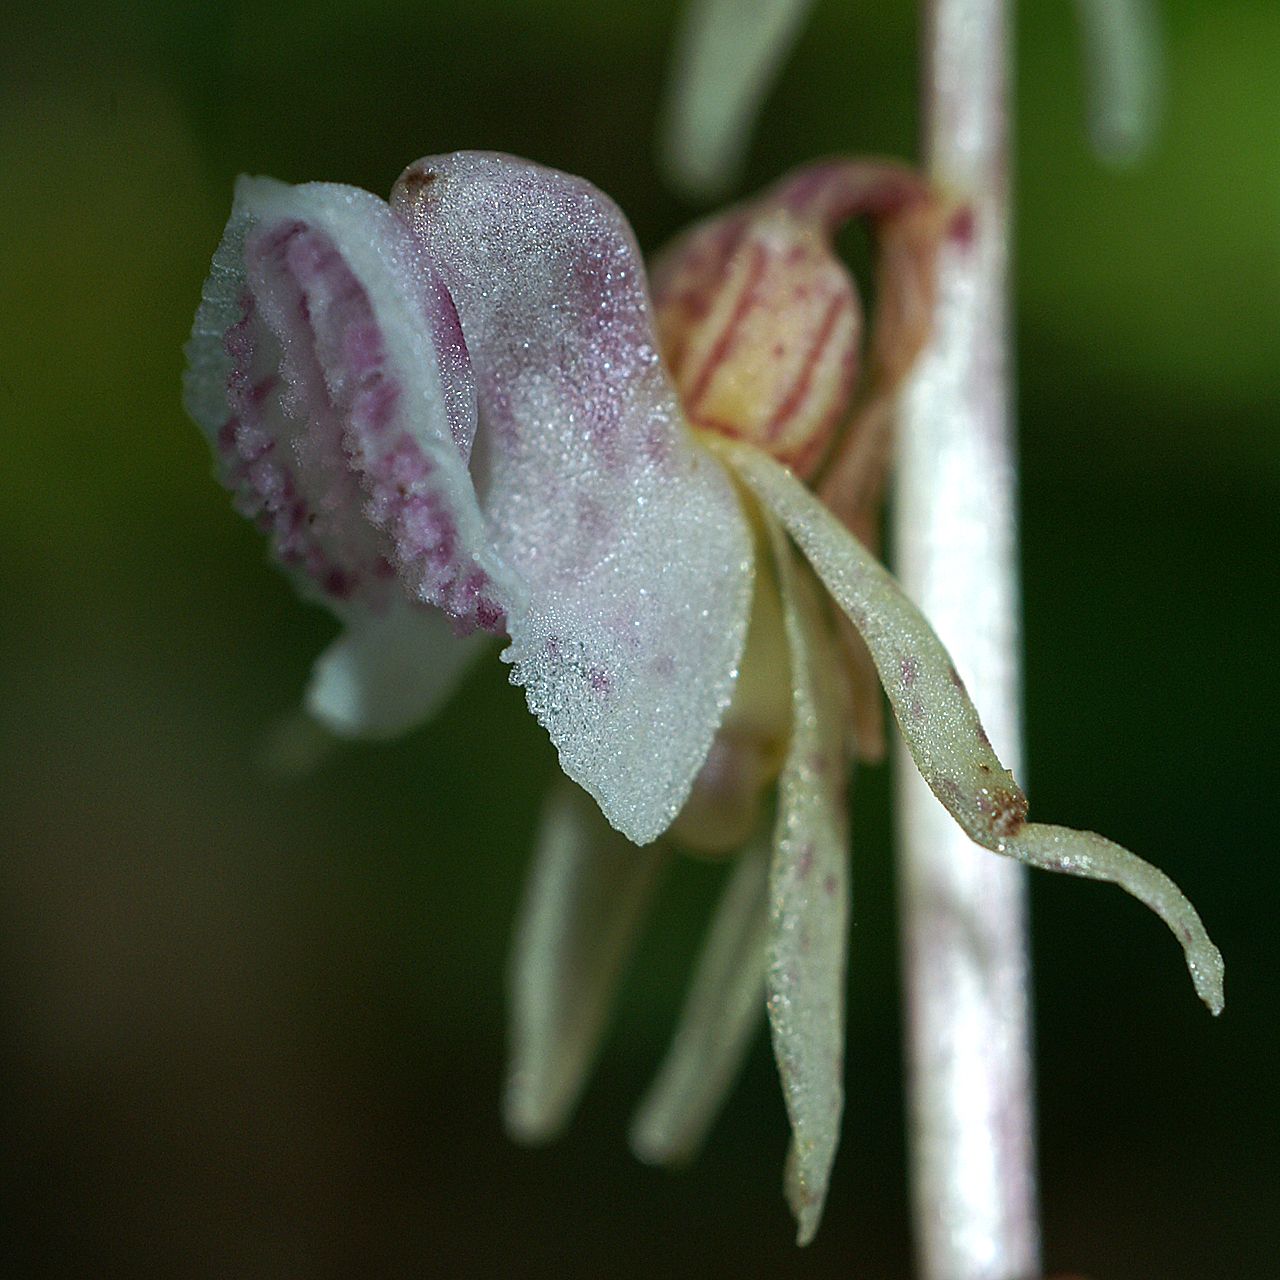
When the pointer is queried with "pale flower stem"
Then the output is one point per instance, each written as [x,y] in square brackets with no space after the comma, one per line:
[964,913]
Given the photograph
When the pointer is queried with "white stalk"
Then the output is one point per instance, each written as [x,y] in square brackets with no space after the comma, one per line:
[964,911]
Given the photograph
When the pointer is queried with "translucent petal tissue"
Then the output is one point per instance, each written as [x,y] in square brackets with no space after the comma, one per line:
[583,907]
[942,729]
[629,539]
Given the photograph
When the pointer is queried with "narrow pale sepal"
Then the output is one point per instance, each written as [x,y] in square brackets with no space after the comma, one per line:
[1087,854]
[388,672]
[809,900]
[728,54]
[1124,75]
[583,907]
[630,540]
[941,727]
[721,1015]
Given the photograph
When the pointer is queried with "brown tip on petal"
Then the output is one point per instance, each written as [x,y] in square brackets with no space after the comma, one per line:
[941,727]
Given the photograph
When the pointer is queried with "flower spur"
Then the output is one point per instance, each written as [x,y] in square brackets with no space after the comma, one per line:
[451,416]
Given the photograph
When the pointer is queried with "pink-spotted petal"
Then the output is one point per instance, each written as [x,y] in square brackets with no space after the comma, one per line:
[629,539]
[941,727]
[389,671]
[328,370]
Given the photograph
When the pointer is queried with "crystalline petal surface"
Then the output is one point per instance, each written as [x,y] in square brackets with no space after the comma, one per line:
[809,901]
[940,724]
[628,538]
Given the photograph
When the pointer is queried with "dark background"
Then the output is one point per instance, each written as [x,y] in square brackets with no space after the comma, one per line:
[252,1026]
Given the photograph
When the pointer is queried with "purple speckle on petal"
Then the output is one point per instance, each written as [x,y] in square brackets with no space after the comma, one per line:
[339,584]
[270,242]
[949,792]
[266,478]
[363,348]
[316,447]
[402,466]
[804,863]
[375,406]
[490,616]
[227,434]
[236,342]
[422,530]
[261,389]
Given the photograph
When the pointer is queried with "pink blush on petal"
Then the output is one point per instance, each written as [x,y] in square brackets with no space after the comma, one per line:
[362,349]
[263,467]
[376,404]
[360,467]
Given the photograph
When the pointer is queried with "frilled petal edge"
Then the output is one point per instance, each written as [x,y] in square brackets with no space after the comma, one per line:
[328,370]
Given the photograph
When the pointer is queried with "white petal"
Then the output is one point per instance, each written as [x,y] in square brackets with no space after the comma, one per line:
[809,899]
[583,908]
[630,539]
[942,729]
[720,1017]
[385,674]
[729,52]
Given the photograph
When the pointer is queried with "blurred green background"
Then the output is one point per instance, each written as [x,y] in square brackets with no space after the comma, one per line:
[252,1027]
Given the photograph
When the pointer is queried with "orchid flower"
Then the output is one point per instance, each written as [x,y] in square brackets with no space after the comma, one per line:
[463,413]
